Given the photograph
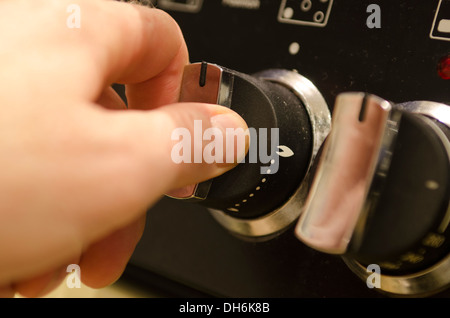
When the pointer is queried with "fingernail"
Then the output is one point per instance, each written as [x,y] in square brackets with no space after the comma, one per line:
[235,143]
[182,193]
[236,137]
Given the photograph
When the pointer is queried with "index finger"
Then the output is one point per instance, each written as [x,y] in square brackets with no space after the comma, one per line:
[138,46]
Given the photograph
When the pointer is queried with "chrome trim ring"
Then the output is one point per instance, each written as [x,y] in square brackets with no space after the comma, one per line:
[320,119]
[438,111]
[420,284]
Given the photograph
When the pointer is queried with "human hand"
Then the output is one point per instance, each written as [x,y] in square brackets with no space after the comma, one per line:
[78,171]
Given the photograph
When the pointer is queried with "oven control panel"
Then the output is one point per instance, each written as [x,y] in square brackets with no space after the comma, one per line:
[351,195]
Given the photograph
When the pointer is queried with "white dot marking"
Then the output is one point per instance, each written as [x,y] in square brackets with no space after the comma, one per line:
[288,13]
[431,185]
[294,48]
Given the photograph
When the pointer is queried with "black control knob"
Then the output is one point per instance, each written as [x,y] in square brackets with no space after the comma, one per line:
[288,120]
[381,192]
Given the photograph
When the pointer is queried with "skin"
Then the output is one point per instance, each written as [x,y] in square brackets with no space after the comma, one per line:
[79,170]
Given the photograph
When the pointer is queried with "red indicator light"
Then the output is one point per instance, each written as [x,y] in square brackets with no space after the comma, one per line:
[444,68]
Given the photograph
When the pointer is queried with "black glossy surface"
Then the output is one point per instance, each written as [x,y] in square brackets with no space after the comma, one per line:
[248,188]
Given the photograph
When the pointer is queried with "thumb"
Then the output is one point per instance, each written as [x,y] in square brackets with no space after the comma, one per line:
[180,144]
[134,159]
[205,141]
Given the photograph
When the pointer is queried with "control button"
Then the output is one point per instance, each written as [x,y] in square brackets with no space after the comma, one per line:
[305,12]
[192,6]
